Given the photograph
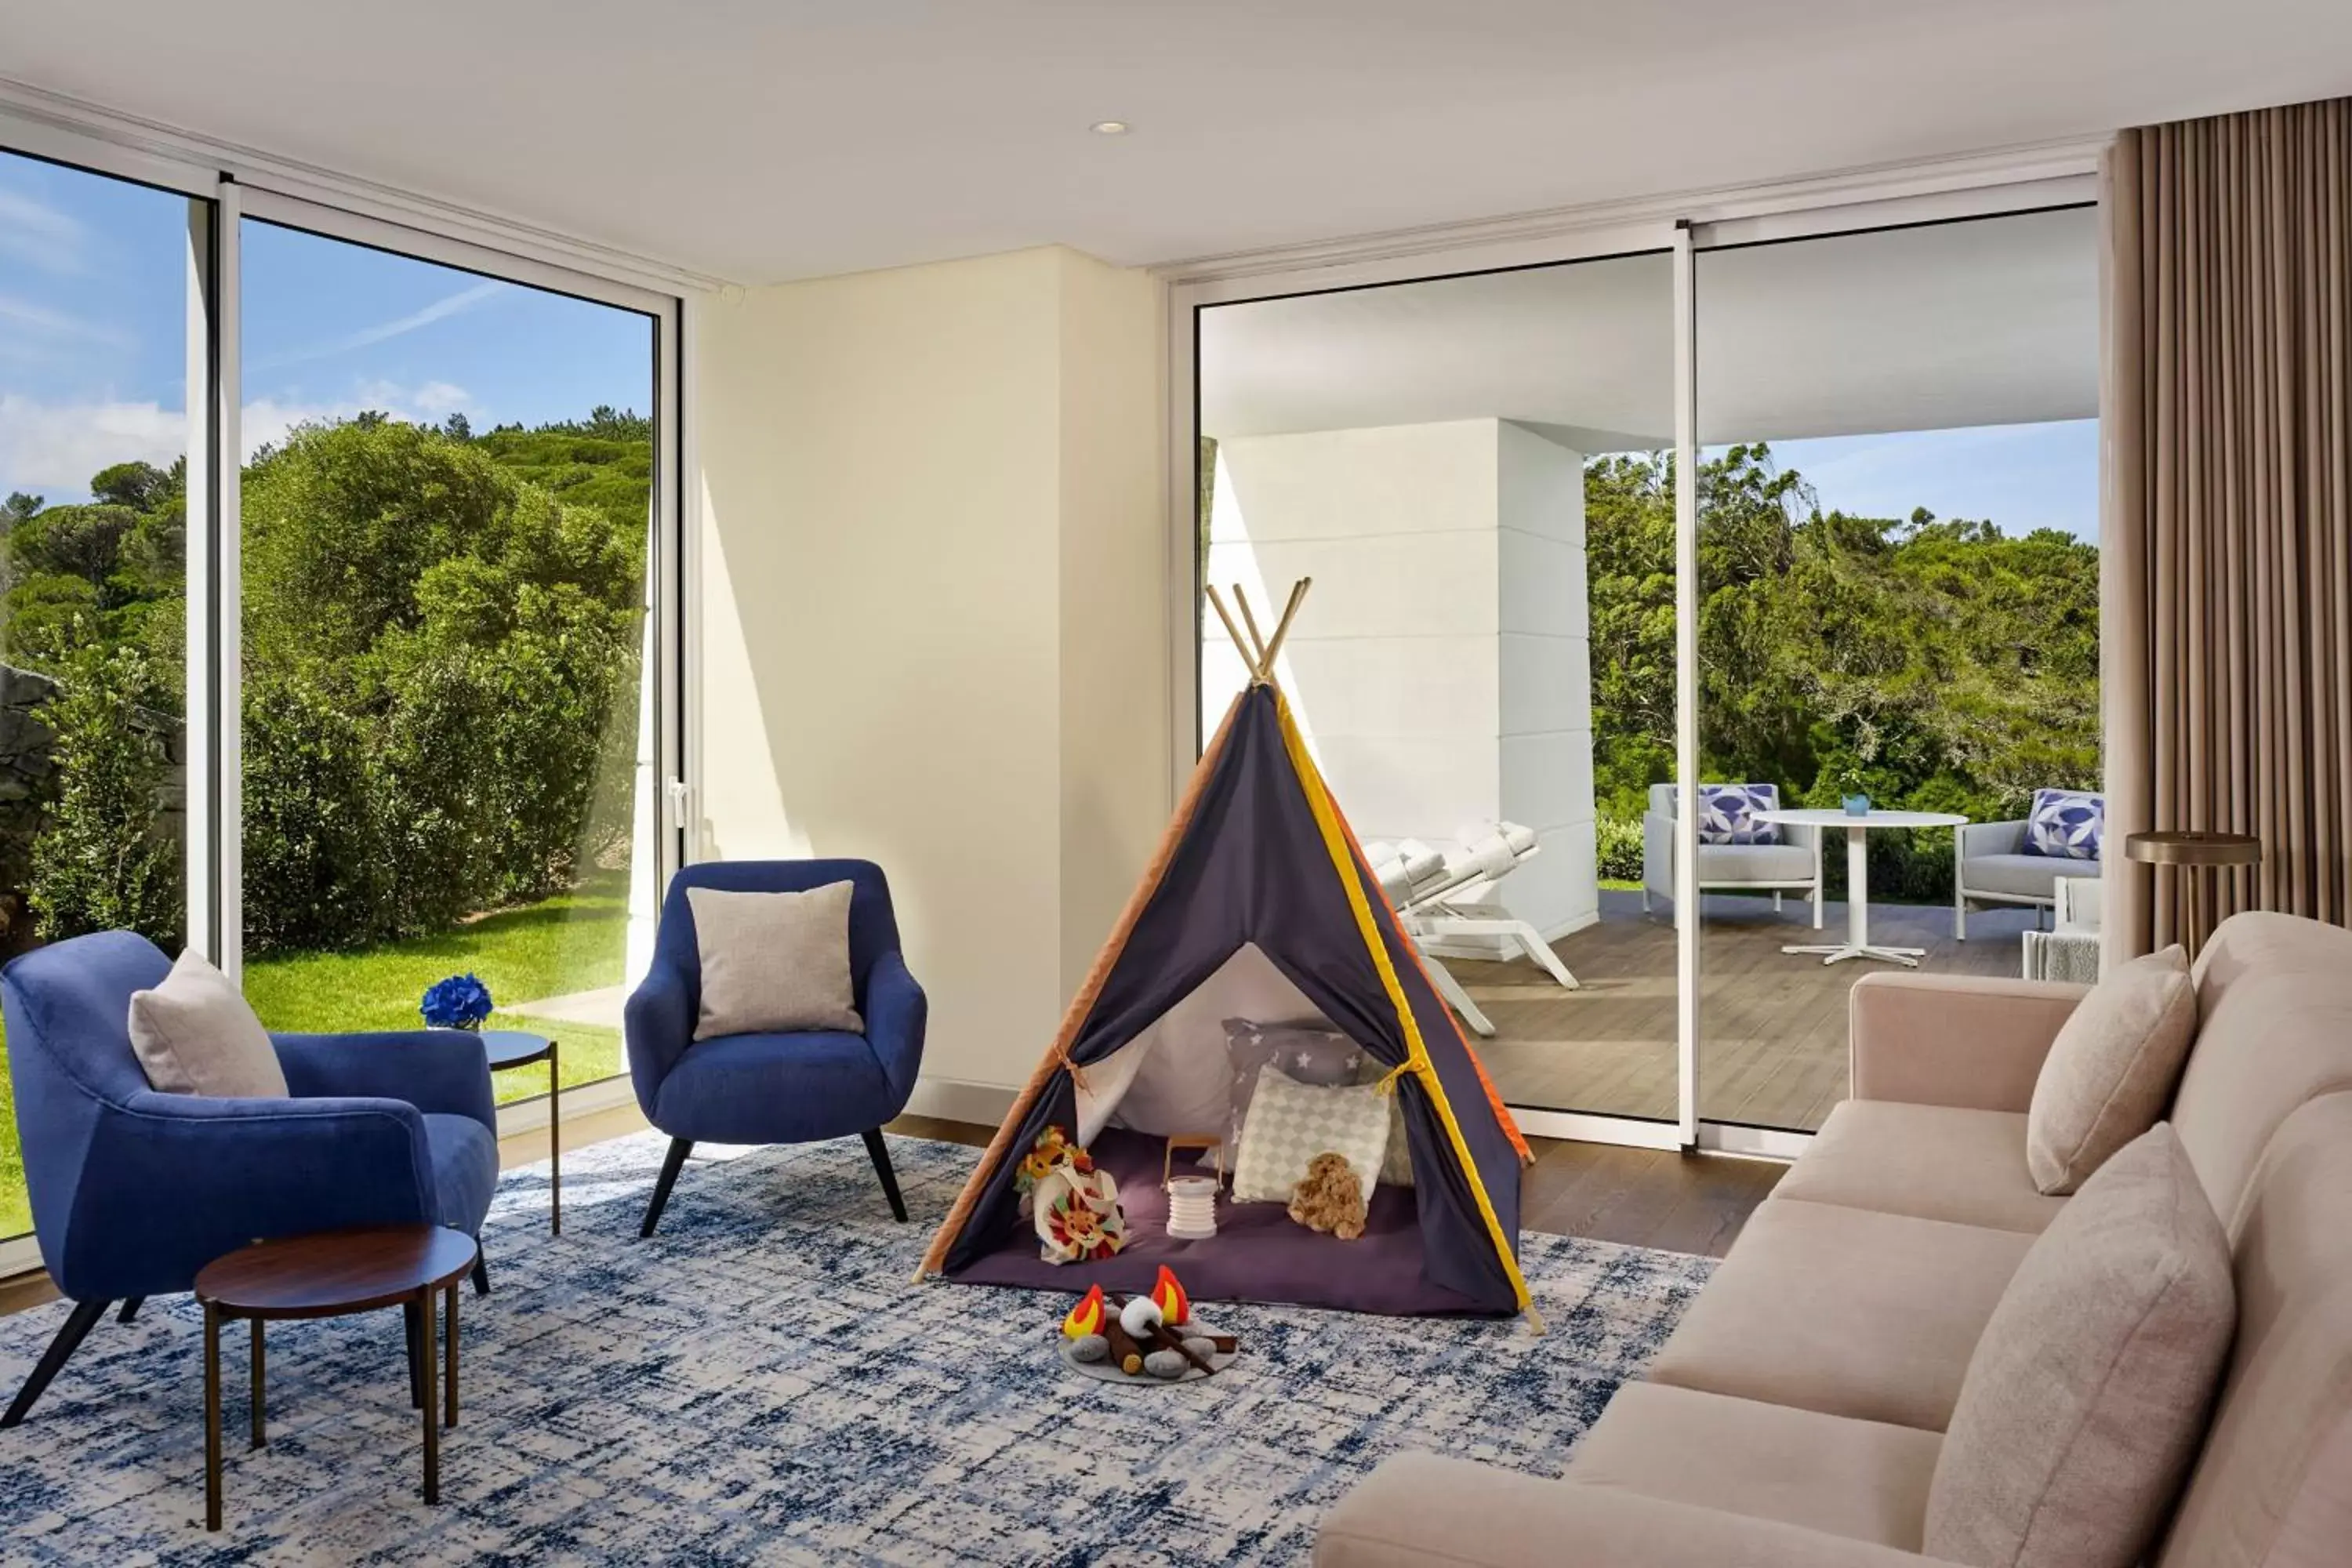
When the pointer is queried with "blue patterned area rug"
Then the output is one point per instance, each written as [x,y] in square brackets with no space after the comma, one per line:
[760,1382]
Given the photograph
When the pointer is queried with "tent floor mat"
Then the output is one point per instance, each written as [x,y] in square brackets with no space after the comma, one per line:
[1259,1253]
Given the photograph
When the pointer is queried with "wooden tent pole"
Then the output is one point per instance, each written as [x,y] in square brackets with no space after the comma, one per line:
[1282,627]
[1258,666]
[1217,601]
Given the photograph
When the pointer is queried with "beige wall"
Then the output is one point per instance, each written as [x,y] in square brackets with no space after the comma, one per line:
[932,619]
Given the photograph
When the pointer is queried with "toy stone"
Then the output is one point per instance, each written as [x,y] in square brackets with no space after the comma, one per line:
[1166,1364]
[1330,1198]
[1089,1347]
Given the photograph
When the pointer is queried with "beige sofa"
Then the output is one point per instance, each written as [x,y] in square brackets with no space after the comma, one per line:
[1794,1417]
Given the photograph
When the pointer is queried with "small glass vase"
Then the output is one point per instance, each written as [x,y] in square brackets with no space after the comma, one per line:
[1858,805]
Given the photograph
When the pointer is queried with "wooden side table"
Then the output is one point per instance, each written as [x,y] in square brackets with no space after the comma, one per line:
[515,1048]
[332,1275]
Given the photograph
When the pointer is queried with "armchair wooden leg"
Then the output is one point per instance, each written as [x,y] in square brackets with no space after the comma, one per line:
[679,1148]
[78,1325]
[880,1152]
[481,1269]
[130,1310]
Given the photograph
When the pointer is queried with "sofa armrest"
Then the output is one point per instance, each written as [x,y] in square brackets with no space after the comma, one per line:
[895,1014]
[1975,1042]
[1658,853]
[657,1025]
[1417,1509]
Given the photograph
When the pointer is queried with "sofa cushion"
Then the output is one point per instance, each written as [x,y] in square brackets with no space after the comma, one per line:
[2265,1045]
[194,1034]
[1844,1311]
[2020,876]
[2088,1393]
[775,962]
[774,1089]
[1930,1161]
[1731,813]
[2111,1071]
[2065,824]
[1863,1480]
[1755,863]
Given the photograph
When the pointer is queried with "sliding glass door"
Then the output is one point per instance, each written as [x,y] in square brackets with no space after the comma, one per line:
[1630,571]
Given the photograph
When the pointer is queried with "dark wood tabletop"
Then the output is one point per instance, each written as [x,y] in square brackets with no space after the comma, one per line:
[335,1271]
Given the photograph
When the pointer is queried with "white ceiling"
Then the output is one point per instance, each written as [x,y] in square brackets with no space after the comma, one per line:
[762,140]
[1994,321]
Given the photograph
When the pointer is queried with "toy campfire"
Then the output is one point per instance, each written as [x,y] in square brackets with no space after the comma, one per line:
[1143,1339]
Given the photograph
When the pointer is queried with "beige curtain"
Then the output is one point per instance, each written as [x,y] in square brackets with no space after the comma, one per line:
[2227,536]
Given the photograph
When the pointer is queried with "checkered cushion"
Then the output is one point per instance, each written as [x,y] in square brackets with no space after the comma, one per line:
[1727,813]
[2065,824]
[1291,1122]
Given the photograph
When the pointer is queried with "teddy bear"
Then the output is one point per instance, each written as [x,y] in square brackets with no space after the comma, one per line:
[1331,1198]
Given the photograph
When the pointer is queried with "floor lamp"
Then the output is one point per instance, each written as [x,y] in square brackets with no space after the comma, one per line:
[2210,854]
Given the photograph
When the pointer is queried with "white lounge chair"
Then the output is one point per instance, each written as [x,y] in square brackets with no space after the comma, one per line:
[1993,868]
[1431,894]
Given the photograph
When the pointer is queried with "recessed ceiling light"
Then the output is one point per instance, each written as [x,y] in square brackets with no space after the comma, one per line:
[1109,128]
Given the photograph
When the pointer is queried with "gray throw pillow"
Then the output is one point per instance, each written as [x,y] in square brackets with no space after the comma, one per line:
[194,1034]
[2112,1069]
[2086,1397]
[775,962]
[1308,1053]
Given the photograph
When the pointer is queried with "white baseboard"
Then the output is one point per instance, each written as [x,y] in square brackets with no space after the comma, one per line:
[953,1099]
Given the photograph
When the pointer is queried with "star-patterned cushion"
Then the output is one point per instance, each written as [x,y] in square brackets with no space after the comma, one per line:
[1727,813]
[2065,824]
[1291,1122]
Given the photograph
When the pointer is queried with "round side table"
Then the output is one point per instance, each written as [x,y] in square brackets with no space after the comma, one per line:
[2189,850]
[516,1049]
[332,1275]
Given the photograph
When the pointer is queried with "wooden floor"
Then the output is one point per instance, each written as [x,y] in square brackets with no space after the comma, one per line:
[1772,1025]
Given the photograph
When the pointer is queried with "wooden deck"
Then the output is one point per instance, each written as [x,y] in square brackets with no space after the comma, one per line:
[1772,1025]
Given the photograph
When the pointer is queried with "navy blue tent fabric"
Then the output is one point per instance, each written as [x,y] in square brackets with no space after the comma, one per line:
[1251,865]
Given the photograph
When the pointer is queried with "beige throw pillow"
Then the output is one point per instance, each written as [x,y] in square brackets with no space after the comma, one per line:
[194,1034]
[2087,1394]
[2111,1071]
[774,963]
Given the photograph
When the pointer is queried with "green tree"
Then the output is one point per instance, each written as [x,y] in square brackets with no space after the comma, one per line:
[102,860]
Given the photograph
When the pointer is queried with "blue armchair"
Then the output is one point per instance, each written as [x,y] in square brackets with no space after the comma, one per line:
[775,1089]
[133,1191]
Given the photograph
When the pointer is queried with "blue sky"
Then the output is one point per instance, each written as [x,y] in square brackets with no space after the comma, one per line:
[2022,476]
[92,326]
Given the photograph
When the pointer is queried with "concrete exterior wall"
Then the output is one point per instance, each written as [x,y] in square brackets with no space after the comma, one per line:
[1440,669]
[932,614]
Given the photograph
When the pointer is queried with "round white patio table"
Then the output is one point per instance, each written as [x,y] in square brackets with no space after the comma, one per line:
[1857,943]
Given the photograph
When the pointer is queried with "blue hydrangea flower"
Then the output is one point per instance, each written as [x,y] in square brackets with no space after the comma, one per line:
[460,1002]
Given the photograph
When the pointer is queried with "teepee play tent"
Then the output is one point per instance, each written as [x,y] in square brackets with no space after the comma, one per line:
[1259,905]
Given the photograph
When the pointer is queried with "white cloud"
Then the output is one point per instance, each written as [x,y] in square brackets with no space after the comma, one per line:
[53,447]
[439,311]
[41,322]
[34,232]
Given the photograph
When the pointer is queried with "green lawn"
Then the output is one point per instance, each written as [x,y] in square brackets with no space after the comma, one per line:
[572,942]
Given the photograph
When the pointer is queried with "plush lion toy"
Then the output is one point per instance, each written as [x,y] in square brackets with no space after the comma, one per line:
[1331,1198]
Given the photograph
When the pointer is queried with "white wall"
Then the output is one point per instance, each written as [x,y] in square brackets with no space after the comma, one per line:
[1440,666]
[932,612]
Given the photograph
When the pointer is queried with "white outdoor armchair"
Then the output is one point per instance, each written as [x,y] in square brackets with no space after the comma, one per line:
[1791,865]
[1990,867]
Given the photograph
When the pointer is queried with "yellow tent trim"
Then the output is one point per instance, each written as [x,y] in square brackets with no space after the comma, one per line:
[1417,1062]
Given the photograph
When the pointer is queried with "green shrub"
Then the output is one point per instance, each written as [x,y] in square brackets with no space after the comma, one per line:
[102,859]
[1620,848]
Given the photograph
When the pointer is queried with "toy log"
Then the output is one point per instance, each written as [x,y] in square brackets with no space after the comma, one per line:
[1125,1353]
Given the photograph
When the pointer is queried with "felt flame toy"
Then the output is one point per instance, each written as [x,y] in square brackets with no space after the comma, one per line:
[1167,1295]
[1087,1317]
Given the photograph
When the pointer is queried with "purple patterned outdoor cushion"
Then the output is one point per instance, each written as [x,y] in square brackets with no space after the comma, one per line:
[2065,824]
[1727,813]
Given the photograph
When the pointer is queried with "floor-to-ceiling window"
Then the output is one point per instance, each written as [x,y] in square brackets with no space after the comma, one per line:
[94,509]
[1877,577]
[446,531]
[338,643]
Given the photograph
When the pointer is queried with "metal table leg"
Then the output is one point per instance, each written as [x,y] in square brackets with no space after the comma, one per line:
[554,1143]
